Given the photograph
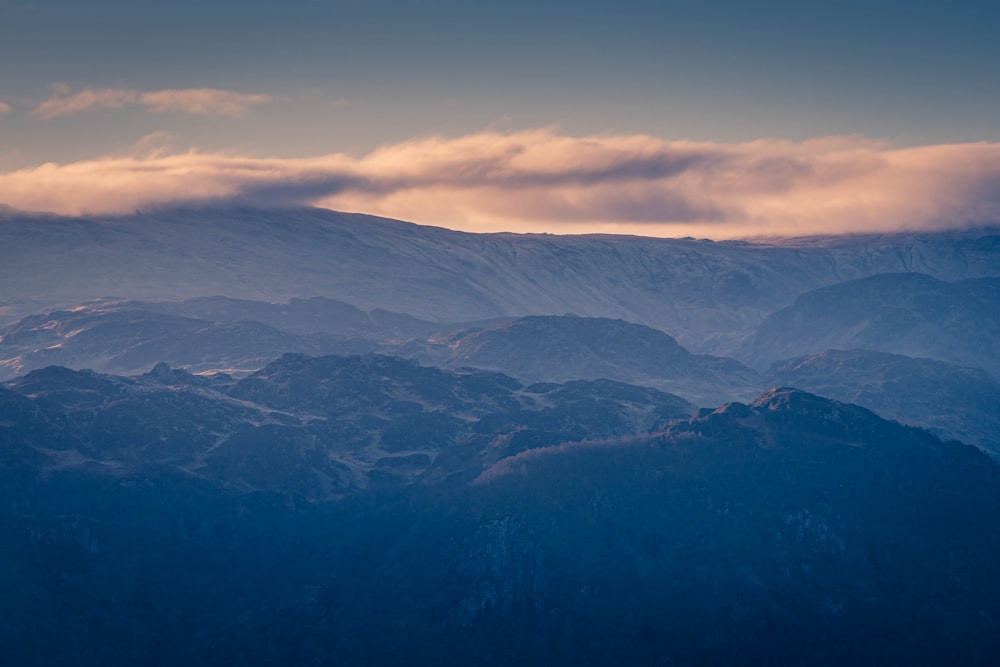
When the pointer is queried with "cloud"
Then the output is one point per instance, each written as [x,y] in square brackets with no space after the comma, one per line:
[153,145]
[203,101]
[5,108]
[64,104]
[539,180]
[206,101]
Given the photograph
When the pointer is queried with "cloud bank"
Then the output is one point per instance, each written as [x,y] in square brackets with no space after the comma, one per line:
[540,180]
[203,101]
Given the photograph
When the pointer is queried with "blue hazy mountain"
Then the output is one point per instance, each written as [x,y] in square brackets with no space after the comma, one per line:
[131,337]
[199,334]
[299,316]
[559,348]
[241,336]
[902,313]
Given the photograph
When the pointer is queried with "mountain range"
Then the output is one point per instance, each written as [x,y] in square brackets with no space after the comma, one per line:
[708,295]
[269,437]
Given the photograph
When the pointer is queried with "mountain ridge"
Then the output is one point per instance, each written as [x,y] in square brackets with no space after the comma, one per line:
[706,294]
[900,313]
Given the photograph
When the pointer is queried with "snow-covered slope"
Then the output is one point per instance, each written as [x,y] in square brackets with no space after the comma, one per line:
[706,294]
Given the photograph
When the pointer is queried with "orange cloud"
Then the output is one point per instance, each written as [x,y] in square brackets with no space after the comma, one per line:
[540,180]
[204,101]
[5,108]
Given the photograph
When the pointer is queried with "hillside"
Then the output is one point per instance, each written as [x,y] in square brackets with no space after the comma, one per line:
[792,530]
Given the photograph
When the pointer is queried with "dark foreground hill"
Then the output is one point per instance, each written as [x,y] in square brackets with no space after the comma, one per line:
[147,522]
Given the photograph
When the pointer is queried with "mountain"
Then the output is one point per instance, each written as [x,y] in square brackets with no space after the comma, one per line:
[325,426]
[199,334]
[535,497]
[707,295]
[560,348]
[298,316]
[131,337]
[953,402]
[241,336]
[902,313]
[791,530]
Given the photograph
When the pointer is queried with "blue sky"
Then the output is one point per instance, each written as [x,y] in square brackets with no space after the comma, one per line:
[348,76]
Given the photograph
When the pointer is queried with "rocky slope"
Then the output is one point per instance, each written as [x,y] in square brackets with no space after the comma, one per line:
[952,401]
[792,530]
[320,426]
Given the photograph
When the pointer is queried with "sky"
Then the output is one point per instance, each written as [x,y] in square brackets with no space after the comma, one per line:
[716,119]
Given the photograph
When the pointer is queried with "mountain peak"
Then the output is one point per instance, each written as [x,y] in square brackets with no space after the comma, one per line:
[777,398]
